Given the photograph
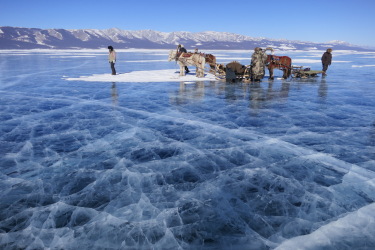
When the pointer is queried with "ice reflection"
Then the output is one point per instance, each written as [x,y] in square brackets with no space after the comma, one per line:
[188,92]
[256,93]
[282,93]
[323,88]
[114,94]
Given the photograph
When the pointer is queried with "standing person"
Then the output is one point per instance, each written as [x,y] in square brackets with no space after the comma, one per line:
[112,59]
[181,49]
[326,60]
[258,63]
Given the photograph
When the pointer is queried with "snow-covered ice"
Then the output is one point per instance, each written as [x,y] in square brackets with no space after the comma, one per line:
[147,159]
[167,75]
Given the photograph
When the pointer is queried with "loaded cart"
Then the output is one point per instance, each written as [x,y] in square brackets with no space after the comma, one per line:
[300,72]
[233,71]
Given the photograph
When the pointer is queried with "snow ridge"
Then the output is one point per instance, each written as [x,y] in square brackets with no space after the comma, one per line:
[33,38]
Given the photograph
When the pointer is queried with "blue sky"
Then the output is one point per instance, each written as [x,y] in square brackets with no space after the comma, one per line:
[352,21]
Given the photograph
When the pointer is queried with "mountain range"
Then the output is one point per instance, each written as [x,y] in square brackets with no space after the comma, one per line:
[34,38]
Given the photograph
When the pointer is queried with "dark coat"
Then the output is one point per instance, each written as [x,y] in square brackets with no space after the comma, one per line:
[327,58]
[182,49]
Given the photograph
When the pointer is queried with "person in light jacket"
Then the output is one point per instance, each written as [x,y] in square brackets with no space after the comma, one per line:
[326,60]
[112,59]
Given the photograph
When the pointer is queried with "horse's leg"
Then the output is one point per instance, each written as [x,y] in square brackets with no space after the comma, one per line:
[288,69]
[199,72]
[287,73]
[182,70]
[195,61]
[270,70]
[202,68]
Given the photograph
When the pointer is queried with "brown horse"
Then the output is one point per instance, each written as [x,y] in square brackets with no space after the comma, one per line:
[211,60]
[283,63]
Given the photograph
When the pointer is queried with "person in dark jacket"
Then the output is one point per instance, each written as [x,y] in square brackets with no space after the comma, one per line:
[326,60]
[181,49]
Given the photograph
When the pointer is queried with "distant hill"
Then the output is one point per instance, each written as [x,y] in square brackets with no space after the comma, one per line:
[33,38]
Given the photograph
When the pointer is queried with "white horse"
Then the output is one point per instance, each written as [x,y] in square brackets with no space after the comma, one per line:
[188,59]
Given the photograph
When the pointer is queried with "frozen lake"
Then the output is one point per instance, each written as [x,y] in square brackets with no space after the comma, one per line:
[149,160]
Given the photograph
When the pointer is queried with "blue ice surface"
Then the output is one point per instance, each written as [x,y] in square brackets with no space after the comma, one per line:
[288,164]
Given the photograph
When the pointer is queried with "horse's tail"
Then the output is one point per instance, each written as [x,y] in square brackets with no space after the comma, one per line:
[172,55]
[288,64]
[288,61]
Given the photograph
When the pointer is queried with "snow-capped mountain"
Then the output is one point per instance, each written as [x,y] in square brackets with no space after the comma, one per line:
[33,38]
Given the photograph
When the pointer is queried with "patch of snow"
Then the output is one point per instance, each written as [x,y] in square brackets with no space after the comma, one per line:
[167,75]
[40,38]
[55,34]
[338,42]
[287,47]
[357,225]
[362,66]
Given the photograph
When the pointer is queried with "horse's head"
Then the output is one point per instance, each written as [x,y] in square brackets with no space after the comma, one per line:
[172,55]
[270,49]
[220,68]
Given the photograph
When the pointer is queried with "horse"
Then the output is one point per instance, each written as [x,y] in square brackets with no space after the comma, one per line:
[283,63]
[188,59]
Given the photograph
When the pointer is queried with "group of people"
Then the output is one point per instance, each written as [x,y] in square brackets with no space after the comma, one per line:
[258,61]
